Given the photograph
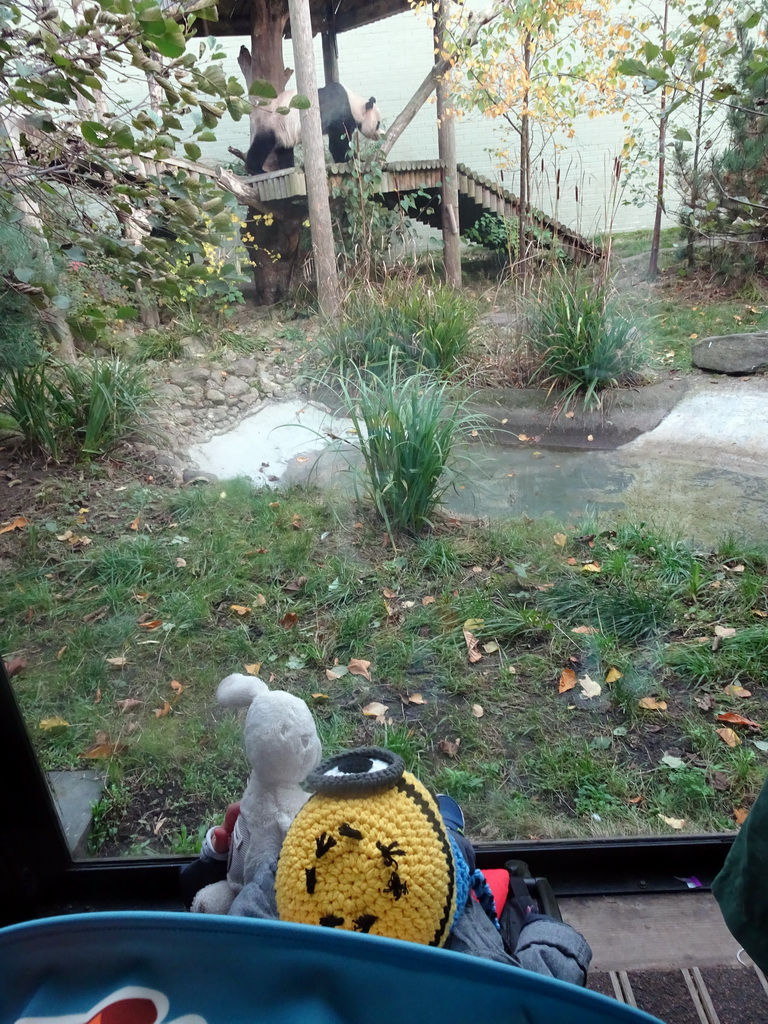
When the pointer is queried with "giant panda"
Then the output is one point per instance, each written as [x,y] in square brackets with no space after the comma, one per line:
[341,112]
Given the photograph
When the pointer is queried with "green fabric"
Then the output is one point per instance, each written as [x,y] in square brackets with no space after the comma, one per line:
[741,888]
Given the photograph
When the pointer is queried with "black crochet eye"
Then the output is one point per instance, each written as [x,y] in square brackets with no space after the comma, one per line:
[357,771]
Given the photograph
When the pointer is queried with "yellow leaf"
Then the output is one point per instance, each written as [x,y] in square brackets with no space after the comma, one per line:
[416,698]
[375,709]
[259,600]
[612,675]
[253,669]
[477,710]
[491,647]
[560,539]
[693,336]
[591,567]
[729,737]
[53,723]
[472,624]
[760,614]
[588,630]
[60,653]
[725,631]
[117,662]
[320,696]
[673,822]
[740,814]
[651,704]
[428,600]
[358,667]
[241,609]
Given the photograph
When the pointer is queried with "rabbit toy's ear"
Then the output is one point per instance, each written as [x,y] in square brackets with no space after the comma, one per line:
[239,691]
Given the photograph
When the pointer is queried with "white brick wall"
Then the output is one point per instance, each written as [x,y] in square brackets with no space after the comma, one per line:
[390,58]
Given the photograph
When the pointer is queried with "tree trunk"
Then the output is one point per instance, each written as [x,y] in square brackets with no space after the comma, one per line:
[695,192]
[653,263]
[279,233]
[265,59]
[314,160]
[446,147]
[525,170]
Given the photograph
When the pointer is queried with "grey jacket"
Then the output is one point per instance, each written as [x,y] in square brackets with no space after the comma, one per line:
[545,946]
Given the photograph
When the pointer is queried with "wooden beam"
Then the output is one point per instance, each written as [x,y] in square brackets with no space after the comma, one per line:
[446,148]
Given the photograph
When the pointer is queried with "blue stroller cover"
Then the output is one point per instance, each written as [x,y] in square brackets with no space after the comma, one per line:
[169,968]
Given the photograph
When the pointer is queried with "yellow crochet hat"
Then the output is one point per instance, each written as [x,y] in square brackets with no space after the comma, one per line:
[369,852]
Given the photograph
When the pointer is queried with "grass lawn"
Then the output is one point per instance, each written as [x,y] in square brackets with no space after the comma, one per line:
[128,623]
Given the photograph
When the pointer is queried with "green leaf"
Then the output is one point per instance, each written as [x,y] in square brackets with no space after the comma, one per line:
[207,14]
[62,301]
[751,20]
[23,274]
[300,102]
[192,150]
[631,67]
[651,50]
[172,42]
[126,313]
[206,136]
[682,135]
[712,21]
[265,90]
[94,132]
[123,137]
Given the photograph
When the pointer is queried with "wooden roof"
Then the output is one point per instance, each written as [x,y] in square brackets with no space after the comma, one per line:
[235,15]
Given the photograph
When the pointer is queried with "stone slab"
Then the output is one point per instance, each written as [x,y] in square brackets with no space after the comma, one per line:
[653,932]
[75,794]
[732,353]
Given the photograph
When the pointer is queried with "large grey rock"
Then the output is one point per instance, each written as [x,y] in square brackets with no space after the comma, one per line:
[172,391]
[235,386]
[215,397]
[244,367]
[193,348]
[732,353]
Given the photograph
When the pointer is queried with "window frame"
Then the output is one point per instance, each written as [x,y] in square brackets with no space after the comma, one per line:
[40,877]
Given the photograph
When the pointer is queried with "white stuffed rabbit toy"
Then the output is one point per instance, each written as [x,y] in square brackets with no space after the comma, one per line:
[282,747]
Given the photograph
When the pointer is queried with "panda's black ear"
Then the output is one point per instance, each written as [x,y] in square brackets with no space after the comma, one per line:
[370,104]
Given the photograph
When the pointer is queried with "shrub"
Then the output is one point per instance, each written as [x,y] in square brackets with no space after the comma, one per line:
[583,343]
[494,232]
[75,411]
[427,328]
[407,430]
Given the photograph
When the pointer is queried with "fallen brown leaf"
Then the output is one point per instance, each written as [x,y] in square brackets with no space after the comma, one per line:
[181,563]
[98,695]
[560,539]
[472,652]
[571,561]
[569,415]
[450,747]
[320,696]
[61,652]
[673,822]
[389,594]
[586,630]
[719,781]
[128,704]
[296,521]
[416,698]
[253,669]
[296,584]
[15,524]
[740,815]
[477,710]
[760,614]
[725,631]
[259,600]
[97,615]
[729,737]
[567,680]
[117,662]
[134,524]
[163,711]
[359,667]
[635,800]
[153,624]
[240,609]
[176,686]
[289,620]
[734,719]
[141,596]
[104,749]
[375,709]
[15,665]
[705,702]
[589,687]
[591,567]
[734,690]
[428,600]
[612,675]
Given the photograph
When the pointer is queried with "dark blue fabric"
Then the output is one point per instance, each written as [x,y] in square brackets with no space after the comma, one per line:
[229,970]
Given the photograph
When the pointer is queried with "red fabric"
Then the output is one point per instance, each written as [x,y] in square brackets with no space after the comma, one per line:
[498,880]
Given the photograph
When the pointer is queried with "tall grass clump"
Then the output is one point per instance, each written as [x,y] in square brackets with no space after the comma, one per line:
[582,343]
[426,327]
[407,430]
[78,411]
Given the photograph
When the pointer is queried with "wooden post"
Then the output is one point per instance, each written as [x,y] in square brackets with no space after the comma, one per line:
[314,160]
[446,148]
[330,47]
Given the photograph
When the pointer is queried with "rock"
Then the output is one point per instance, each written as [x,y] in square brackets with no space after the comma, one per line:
[197,476]
[193,394]
[235,386]
[215,397]
[172,391]
[244,367]
[732,353]
[199,373]
[178,375]
[193,348]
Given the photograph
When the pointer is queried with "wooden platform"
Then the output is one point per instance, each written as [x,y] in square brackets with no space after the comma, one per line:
[477,195]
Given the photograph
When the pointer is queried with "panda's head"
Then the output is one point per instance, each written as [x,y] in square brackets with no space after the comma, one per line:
[369,119]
